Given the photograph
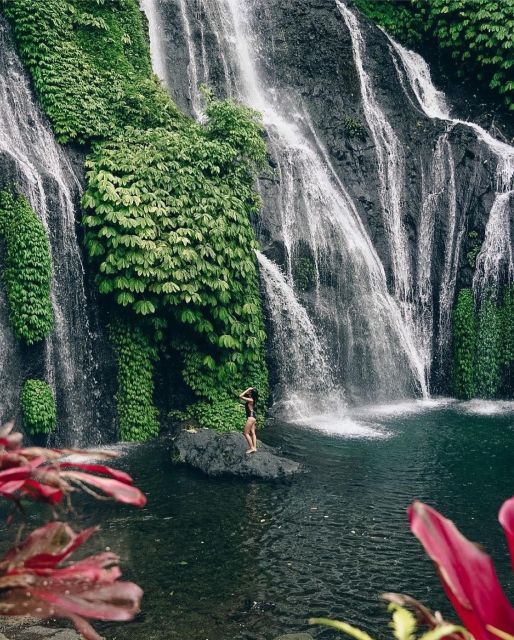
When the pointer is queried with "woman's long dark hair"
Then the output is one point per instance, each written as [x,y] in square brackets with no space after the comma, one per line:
[254,394]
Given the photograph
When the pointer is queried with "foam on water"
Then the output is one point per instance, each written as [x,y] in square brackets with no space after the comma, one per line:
[396,409]
[343,426]
[487,407]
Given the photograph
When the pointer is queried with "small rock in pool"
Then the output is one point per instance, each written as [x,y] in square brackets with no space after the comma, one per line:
[218,454]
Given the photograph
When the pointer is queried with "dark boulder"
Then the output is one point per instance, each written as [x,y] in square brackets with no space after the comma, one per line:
[219,454]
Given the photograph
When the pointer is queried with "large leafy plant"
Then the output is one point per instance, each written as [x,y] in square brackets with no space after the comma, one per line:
[36,576]
[28,269]
[167,214]
[469,579]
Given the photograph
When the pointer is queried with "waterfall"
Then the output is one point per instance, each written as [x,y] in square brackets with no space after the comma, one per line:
[369,347]
[455,232]
[192,69]
[43,174]
[495,260]
[304,376]
[158,60]
[391,166]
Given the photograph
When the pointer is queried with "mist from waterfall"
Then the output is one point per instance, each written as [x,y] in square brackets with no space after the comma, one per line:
[43,174]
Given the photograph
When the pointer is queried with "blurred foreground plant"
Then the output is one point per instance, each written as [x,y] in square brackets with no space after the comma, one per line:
[468,577]
[404,623]
[33,579]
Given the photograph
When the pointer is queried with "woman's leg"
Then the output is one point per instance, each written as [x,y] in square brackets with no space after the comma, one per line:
[247,434]
[254,436]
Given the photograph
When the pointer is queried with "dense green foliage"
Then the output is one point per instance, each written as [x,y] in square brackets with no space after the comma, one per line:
[168,200]
[28,269]
[507,327]
[38,407]
[134,398]
[464,345]
[168,223]
[507,340]
[479,34]
[487,369]
[398,18]
[167,219]
[483,345]
[90,64]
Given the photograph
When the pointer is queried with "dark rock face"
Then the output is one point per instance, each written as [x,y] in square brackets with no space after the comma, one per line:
[224,454]
[296,636]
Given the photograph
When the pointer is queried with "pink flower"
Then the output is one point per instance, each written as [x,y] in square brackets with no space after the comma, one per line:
[467,573]
[45,475]
[33,581]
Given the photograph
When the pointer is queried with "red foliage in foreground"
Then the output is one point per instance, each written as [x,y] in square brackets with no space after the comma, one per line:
[33,582]
[467,573]
[45,475]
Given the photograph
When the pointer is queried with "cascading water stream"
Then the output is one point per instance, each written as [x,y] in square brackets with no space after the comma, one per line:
[495,260]
[42,173]
[391,167]
[370,348]
[304,376]
[158,64]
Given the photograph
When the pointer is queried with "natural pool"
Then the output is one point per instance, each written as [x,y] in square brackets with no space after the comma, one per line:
[223,560]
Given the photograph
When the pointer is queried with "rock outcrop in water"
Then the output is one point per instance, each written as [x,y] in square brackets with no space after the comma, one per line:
[224,455]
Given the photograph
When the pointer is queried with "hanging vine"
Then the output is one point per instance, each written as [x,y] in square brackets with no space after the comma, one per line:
[28,269]
[464,345]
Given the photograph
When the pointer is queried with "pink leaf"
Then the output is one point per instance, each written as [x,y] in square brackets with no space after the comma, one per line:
[506,518]
[99,468]
[118,490]
[467,573]
[47,546]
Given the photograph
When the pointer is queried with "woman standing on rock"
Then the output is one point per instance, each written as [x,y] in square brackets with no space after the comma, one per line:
[250,397]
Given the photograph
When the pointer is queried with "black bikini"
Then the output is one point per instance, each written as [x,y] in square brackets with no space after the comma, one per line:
[250,413]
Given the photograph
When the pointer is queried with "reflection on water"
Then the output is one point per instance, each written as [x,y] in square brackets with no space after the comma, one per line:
[224,560]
